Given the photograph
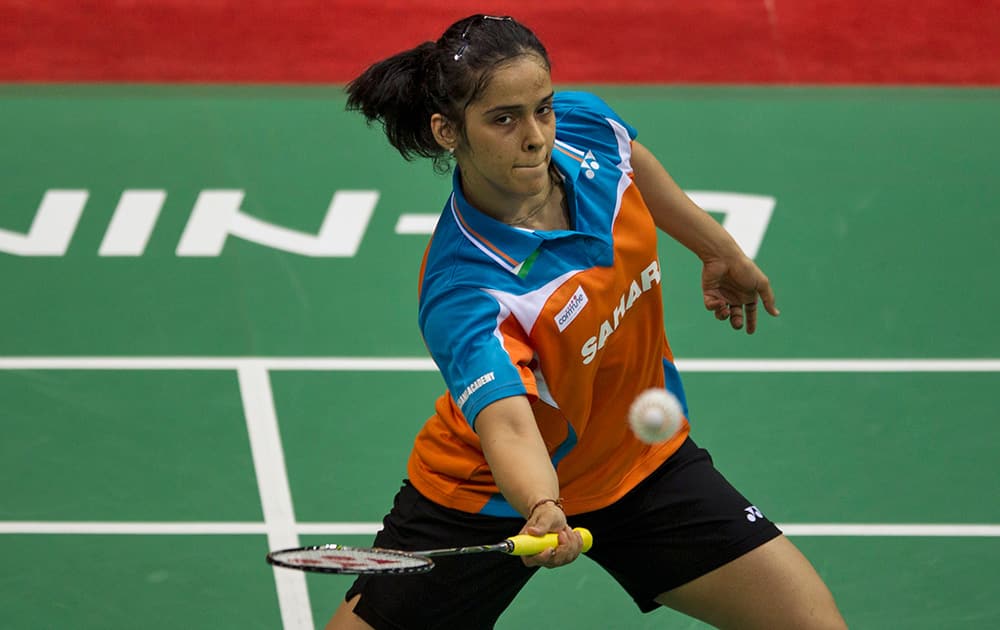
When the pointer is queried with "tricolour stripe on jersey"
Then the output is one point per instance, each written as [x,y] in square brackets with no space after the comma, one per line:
[569,151]
[525,267]
[483,244]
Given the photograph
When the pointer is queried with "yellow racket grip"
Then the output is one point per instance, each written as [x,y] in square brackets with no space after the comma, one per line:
[525,545]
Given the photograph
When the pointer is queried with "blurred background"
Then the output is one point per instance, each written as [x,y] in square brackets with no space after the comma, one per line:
[208,340]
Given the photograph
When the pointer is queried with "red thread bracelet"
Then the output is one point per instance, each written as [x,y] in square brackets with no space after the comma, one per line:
[556,502]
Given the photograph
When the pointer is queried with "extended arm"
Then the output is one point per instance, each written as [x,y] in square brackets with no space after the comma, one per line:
[731,282]
[523,471]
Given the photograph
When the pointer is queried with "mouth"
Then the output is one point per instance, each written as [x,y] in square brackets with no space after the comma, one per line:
[542,164]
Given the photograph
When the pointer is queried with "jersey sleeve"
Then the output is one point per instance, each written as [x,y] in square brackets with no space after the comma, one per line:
[478,347]
[585,119]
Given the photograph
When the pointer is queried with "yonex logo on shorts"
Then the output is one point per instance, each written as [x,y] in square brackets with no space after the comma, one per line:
[753,513]
[569,312]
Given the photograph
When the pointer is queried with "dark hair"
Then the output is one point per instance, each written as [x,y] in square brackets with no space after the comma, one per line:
[405,90]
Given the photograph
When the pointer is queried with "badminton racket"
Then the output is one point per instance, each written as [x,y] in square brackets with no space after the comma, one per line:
[374,560]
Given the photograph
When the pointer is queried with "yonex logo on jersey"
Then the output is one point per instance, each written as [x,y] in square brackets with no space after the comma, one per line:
[590,165]
[569,312]
[649,277]
[471,389]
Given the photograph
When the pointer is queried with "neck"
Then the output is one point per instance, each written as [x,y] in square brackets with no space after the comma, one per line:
[536,213]
[551,214]
[544,211]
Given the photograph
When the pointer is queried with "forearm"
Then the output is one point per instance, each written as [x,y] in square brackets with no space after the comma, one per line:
[516,453]
[675,213]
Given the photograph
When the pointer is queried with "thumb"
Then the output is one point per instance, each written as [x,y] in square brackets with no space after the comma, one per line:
[535,530]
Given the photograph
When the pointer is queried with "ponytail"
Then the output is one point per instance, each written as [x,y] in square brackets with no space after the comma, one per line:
[392,92]
[402,92]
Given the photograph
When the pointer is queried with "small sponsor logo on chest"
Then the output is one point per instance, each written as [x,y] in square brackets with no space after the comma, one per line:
[569,312]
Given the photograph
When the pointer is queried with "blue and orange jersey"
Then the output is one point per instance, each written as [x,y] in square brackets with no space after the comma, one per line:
[572,319]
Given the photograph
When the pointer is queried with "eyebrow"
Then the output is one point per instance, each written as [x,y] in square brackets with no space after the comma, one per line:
[504,108]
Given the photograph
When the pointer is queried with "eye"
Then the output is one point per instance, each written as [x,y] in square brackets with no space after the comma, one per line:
[545,110]
[505,119]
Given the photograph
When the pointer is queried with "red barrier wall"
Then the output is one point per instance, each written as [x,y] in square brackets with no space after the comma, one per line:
[645,41]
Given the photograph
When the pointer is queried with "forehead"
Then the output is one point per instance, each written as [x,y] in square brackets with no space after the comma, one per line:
[522,81]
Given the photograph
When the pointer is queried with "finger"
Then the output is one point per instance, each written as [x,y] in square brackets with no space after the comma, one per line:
[568,548]
[543,559]
[713,302]
[570,543]
[549,557]
[722,312]
[558,554]
[557,557]
[751,316]
[535,530]
[767,297]
[736,316]
[556,560]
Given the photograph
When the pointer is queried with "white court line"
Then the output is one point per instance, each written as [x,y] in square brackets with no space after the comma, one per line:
[948,530]
[275,493]
[418,364]
[130,528]
[269,464]
[891,529]
[402,364]
[416,223]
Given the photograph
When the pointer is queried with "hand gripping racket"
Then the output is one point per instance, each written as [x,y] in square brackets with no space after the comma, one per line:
[373,560]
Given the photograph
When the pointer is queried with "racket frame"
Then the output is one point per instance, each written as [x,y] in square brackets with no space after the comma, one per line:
[274,558]
[521,545]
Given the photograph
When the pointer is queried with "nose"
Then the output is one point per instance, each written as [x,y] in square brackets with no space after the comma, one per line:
[534,137]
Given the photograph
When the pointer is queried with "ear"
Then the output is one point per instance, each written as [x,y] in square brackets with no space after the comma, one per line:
[444,132]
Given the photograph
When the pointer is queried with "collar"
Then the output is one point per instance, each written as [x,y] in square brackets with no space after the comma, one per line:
[570,161]
[508,246]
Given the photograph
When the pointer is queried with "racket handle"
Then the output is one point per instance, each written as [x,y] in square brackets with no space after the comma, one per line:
[525,545]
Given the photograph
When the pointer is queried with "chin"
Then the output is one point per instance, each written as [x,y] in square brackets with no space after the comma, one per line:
[532,188]
[534,177]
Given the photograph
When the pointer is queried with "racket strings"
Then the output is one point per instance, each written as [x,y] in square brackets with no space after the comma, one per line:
[338,559]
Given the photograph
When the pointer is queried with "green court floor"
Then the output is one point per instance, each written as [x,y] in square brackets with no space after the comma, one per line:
[147,370]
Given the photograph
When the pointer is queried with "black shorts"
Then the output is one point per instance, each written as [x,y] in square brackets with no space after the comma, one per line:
[683,521]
